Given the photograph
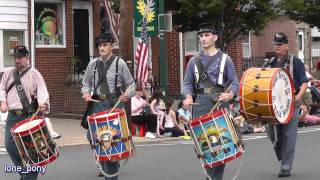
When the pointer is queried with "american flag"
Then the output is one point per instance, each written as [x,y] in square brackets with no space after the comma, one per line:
[114,20]
[142,54]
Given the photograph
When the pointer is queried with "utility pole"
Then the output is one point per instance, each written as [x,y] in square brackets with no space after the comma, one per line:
[162,56]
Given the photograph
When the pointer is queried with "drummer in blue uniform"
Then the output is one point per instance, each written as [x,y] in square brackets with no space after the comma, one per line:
[208,75]
[284,137]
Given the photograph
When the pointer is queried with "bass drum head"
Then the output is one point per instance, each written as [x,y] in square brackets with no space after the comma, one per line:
[282,96]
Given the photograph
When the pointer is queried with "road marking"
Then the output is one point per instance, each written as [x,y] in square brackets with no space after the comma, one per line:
[245,138]
[3,151]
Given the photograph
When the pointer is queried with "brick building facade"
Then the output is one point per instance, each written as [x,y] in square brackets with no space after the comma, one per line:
[262,44]
[55,62]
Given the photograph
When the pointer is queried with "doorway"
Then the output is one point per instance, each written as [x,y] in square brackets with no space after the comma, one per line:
[81,39]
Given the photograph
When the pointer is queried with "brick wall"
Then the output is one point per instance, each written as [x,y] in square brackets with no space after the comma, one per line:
[173,61]
[54,63]
[235,52]
[264,42]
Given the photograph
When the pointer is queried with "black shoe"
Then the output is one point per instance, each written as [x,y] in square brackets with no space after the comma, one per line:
[284,173]
[100,174]
[56,136]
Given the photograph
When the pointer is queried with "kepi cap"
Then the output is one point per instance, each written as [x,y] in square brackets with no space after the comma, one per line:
[280,38]
[206,27]
[20,51]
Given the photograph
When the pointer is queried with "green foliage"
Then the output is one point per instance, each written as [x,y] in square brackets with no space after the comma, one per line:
[232,18]
[303,10]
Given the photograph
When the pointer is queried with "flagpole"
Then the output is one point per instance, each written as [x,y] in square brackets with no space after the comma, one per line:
[32,36]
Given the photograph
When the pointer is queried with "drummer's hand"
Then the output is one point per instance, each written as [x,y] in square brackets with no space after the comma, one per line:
[42,107]
[86,97]
[225,97]
[124,98]
[4,107]
[297,98]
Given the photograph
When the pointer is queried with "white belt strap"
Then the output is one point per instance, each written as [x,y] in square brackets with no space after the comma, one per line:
[223,63]
[291,66]
[196,73]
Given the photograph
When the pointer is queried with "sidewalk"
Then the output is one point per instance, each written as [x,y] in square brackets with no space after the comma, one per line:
[73,134]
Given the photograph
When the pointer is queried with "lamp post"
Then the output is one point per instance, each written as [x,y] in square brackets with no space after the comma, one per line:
[162,56]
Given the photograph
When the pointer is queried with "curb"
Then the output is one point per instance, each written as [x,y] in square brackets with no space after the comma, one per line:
[136,142]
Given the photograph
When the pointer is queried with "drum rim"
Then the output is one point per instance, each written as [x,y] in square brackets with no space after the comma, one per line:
[228,159]
[206,117]
[47,161]
[118,156]
[118,113]
[25,132]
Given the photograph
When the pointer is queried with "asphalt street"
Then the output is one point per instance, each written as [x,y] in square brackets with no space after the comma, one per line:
[176,160]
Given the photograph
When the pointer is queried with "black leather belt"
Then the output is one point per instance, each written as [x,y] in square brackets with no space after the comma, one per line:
[101,97]
[204,90]
[17,112]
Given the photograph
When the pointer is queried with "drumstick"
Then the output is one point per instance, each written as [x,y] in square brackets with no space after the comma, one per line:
[219,102]
[94,100]
[125,93]
[115,122]
[194,104]
[34,115]
[38,110]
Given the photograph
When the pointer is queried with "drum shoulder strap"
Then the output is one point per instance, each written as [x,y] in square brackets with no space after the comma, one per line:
[222,65]
[20,76]
[291,64]
[202,71]
[21,93]
[197,67]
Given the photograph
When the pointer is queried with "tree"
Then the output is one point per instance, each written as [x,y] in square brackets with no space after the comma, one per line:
[125,36]
[307,11]
[232,18]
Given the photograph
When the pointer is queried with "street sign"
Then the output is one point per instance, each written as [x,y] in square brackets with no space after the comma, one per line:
[149,9]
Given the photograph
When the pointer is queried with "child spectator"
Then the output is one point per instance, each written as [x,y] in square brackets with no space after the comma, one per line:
[171,126]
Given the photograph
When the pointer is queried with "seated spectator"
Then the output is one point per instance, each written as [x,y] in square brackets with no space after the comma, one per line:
[184,112]
[157,108]
[171,126]
[138,104]
[306,118]
[246,128]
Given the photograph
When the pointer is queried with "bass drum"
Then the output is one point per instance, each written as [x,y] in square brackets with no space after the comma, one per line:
[267,95]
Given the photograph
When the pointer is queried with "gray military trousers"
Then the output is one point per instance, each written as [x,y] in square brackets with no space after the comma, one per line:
[110,167]
[283,138]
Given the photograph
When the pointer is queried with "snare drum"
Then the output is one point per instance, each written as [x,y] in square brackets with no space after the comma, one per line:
[267,94]
[215,139]
[110,135]
[34,143]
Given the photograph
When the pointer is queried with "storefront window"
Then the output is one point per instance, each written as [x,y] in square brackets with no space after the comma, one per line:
[49,24]
[191,42]
[10,40]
